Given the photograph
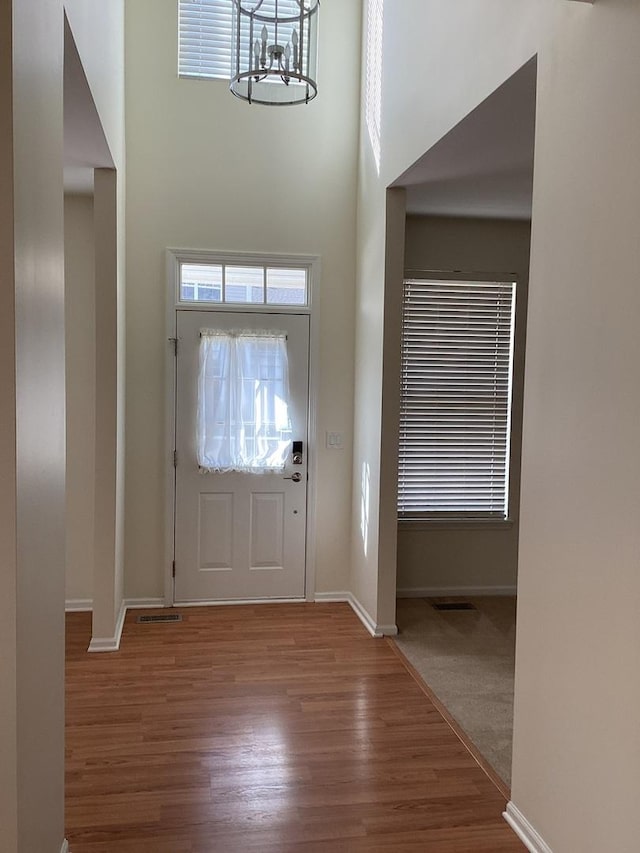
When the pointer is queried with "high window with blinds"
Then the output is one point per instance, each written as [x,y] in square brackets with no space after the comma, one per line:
[205,33]
[204,30]
[204,38]
[455,419]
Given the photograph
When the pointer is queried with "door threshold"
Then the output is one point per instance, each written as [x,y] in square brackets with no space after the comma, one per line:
[237,602]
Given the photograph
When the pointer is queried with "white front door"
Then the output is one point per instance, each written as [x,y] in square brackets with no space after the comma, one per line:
[238,535]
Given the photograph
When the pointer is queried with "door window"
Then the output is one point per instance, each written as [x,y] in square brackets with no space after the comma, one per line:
[243,421]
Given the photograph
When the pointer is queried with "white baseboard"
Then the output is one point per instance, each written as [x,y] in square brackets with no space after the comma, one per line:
[84,605]
[525,832]
[110,644]
[139,603]
[453,591]
[78,605]
[65,847]
[237,602]
[332,597]
[363,615]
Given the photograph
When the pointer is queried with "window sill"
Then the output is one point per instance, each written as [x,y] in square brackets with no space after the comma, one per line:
[492,524]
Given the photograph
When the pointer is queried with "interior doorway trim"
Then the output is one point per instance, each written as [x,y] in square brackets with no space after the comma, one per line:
[174,257]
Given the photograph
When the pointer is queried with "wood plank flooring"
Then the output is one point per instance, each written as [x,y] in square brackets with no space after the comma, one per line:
[276,728]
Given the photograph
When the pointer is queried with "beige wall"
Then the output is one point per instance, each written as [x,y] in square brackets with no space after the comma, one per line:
[395,230]
[97,29]
[575,771]
[8,509]
[108,579]
[470,557]
[32,429]
[98,32]
[207,171]
[417,47]
[79,262]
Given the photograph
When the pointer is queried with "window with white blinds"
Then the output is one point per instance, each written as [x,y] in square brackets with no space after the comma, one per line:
[206,32]
[205,29]
[455,419]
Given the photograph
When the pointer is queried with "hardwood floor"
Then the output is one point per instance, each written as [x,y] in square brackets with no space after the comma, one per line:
[275,728]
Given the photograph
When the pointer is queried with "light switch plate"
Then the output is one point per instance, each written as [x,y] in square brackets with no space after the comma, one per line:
[335,441]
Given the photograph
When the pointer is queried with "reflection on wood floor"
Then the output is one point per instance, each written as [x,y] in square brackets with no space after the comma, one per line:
[274,728]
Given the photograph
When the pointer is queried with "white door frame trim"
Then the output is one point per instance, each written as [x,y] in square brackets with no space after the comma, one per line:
[173,259]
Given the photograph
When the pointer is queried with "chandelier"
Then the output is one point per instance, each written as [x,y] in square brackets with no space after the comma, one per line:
[274,51]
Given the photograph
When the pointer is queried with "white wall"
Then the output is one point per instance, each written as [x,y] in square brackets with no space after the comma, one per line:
[208,171]
[576,745]
[32,448]
[79,262]
[451,556]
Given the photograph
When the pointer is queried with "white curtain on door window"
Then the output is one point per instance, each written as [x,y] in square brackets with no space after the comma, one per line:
[243,401]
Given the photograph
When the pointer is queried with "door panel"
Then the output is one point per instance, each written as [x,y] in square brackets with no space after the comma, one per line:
[267,530]
[239,535]
[215,524]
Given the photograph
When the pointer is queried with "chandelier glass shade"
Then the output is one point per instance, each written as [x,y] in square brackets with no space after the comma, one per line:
[274,51]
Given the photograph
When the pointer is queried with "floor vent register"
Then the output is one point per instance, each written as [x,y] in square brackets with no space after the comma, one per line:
[166,617]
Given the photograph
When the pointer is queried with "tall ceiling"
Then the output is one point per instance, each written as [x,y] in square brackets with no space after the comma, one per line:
[484,166]
[85,146]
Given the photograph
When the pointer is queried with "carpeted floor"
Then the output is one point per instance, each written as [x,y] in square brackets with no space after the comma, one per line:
[467,658]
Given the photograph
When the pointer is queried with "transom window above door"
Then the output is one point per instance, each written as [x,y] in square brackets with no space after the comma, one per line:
[243,284]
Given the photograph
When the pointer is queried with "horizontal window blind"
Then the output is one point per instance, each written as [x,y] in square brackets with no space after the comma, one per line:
[457,365]
[206,33]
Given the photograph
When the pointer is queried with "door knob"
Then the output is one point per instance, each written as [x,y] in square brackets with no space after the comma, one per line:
[295,477]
